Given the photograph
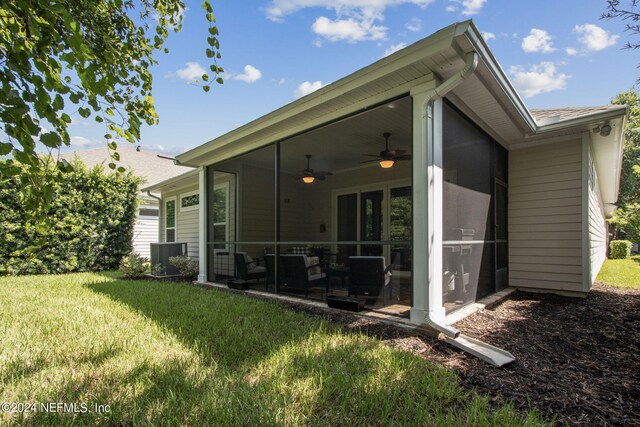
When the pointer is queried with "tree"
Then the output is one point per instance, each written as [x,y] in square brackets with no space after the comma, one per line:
[627,218]
[90,57]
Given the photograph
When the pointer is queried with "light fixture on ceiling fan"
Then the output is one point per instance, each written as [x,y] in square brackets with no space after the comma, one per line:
[387,158]
[309,175]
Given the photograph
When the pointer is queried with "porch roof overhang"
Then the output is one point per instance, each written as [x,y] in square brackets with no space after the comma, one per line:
[487,96]
[187,178]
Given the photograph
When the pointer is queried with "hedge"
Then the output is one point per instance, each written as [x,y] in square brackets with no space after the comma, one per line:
[92,213]
[620,249]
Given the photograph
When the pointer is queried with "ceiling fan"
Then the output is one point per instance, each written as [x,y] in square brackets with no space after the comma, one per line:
[309,175]
[387,158]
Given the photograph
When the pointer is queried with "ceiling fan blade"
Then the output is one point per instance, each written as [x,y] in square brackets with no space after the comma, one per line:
[322,173]
[396,153]
[372,155]
[320,178]
[403,157]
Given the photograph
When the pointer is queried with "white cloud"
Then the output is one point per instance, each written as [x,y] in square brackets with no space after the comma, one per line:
[280,81]
[351,29]
[488,36]
[594,38]
[393,49]
[451,8]
[192,71]
[355,20]
[571,51]
[472,7]
[306,88]
[81,141]
[414,24]
[538,79]
[278,9]
[537,41]
[251,74]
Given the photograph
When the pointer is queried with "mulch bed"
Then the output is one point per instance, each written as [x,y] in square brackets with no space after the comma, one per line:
[577,360]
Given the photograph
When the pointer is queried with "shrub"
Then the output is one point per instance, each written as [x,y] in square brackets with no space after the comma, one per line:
[92,215]
[133,266]
[186,266]
[620,249]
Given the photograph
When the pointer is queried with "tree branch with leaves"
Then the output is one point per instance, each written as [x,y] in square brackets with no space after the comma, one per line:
[90,57]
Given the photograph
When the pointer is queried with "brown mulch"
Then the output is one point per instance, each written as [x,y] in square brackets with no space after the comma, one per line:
[577,360]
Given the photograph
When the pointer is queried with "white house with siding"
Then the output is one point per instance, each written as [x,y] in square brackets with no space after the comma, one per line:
[427,160]
[152,168]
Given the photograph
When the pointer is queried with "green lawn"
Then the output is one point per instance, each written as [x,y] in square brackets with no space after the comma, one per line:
[623,273]
[173,354]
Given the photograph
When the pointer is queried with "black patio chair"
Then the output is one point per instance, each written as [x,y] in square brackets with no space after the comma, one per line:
[369,277]
[247,268]
[298,273]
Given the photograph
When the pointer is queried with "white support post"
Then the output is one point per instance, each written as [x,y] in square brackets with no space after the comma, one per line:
[427,204]
[202,228]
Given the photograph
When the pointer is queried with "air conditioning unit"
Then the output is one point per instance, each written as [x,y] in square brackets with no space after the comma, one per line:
[160,254]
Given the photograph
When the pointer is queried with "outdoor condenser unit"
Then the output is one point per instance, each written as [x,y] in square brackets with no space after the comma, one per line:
[160,254]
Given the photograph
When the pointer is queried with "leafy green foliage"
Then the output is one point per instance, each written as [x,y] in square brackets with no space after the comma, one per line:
[91,217]
[133,266]
[627,218]
[620,249]
[187,266]
[92,58]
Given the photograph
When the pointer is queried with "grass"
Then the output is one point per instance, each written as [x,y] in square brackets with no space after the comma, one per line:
[622,273]
[172,354]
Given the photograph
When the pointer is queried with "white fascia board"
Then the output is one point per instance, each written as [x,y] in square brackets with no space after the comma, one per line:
[581,121]
[407,56]
[191,175]
[480,46]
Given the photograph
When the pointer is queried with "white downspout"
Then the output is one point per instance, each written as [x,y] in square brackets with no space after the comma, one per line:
[433,318]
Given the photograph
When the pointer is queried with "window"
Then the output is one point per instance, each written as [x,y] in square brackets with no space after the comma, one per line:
[189,201]
[220,214]
[170,220]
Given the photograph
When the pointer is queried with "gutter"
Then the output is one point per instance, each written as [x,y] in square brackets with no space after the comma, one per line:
[440,91]
[154,197]
[493,355]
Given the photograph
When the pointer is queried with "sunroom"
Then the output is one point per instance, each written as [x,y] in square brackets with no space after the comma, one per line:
[419,185]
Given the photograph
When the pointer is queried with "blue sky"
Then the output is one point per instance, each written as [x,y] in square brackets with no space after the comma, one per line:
[556,53]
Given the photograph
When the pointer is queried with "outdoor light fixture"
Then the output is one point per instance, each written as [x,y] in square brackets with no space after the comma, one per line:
[308,179]
[604,130]
[387,163]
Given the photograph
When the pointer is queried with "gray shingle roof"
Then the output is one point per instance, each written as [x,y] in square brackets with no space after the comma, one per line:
[570,112]
[145,164]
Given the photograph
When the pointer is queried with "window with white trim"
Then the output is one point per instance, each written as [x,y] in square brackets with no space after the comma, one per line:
[220,215]
[170,220]
[189,201]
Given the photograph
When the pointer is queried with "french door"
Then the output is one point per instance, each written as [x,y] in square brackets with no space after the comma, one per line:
[380,215]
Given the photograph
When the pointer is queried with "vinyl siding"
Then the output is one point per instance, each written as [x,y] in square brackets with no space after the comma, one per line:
[597,227]
[145,232]
[545,217]
[187,222]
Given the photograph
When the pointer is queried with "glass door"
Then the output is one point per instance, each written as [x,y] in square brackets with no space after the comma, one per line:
[371,222]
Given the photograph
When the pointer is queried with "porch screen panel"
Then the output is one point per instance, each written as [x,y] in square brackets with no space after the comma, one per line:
[468,268]
[241,211]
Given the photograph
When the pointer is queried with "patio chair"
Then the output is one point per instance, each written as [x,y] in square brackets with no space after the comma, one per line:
[270,264]
[248,268]
[298,273]
[369,277]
